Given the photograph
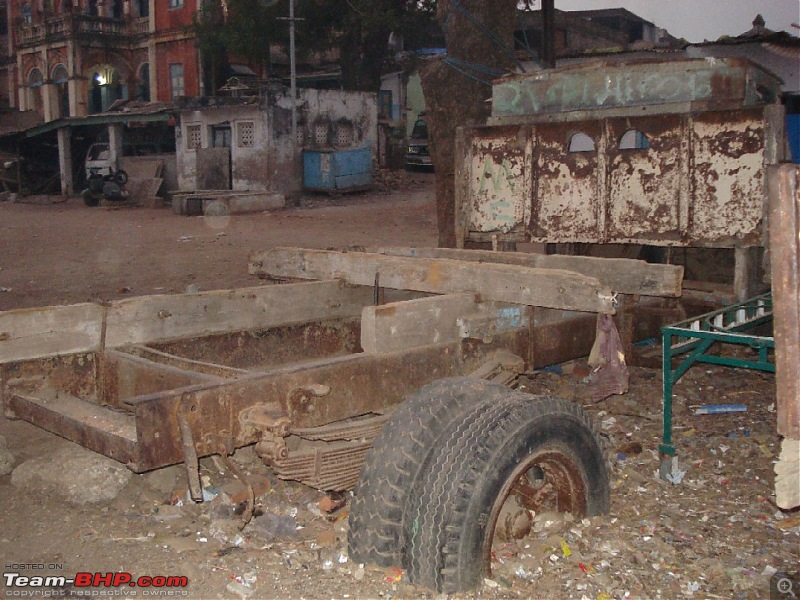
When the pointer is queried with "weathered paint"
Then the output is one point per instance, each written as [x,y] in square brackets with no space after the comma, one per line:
[644,185]
[566,183]
[497,188]
[699,183]
[265,162]
[602,85]
[728,175]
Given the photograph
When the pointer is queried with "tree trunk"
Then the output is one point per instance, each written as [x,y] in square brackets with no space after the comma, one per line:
[452,98]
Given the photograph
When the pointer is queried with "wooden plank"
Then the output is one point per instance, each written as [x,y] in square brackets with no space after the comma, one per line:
[622,275]
[784,231]
[504,283]
[161,318]
[414,323]
[38,332]
[787,475]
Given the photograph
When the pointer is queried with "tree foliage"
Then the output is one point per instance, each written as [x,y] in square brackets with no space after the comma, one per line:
[359,29]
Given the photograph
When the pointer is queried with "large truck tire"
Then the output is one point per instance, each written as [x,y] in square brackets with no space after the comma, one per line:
[491,469]
[393,465]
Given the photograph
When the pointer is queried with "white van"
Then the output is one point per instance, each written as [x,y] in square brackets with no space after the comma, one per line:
[98,158]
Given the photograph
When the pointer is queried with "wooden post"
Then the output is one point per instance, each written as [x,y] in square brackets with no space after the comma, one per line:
[65,160]
[785,246]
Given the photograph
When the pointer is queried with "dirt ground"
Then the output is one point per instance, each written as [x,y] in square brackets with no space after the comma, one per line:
[715,534]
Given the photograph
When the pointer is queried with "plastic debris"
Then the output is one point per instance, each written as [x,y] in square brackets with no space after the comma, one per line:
[713,409]
[394,575]
[608,423]
[240,589]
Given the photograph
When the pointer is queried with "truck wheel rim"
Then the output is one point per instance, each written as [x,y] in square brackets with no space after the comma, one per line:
[547,480]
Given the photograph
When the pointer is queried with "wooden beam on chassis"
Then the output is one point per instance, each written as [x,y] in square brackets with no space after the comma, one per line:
[414,323]
[54,330]
[622,275]
[551,288]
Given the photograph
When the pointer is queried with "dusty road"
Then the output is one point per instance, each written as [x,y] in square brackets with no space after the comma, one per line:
[716,534]
[66,253]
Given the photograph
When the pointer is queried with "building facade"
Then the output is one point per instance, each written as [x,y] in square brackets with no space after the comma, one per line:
[73,58]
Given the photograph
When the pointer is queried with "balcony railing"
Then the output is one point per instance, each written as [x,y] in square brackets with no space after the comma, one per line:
[67,26]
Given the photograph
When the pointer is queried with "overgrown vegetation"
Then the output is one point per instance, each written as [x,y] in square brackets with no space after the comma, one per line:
[249,31]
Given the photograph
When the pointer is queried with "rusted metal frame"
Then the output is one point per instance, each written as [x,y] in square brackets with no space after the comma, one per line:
[257,350]
[463,167]
[190,461]
[184,364]
[359,384]
[128,376]
[603,186]
[30,409]
[687,232]
[71,373]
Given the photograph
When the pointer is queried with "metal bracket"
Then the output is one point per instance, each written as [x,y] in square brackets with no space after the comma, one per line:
[273,426]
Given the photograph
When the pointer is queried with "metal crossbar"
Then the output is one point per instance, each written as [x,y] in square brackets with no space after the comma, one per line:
[694,337]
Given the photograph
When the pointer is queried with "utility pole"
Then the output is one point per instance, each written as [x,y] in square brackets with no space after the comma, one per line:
[292,82]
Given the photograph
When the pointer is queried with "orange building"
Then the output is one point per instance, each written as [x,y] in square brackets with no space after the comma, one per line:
[72,58]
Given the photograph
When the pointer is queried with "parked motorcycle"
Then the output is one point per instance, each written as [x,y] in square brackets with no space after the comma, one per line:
[106,186]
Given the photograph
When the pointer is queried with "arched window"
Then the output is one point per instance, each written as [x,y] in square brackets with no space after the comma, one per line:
[106,88]
[580,142]
[35,82]
[59,77]
[143,83]
[633,139]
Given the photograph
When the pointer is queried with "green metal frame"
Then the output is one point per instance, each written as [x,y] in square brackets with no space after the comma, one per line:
[695,336]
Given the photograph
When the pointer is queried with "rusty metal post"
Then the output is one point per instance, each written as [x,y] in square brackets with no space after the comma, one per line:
[190,460]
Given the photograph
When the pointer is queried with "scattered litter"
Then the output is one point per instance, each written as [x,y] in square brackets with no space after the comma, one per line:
[713,409]
[240,589]
[185,238]
[490,583]
[608,423]
[5,289]
[394,575]
[330,504]
[272,526]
